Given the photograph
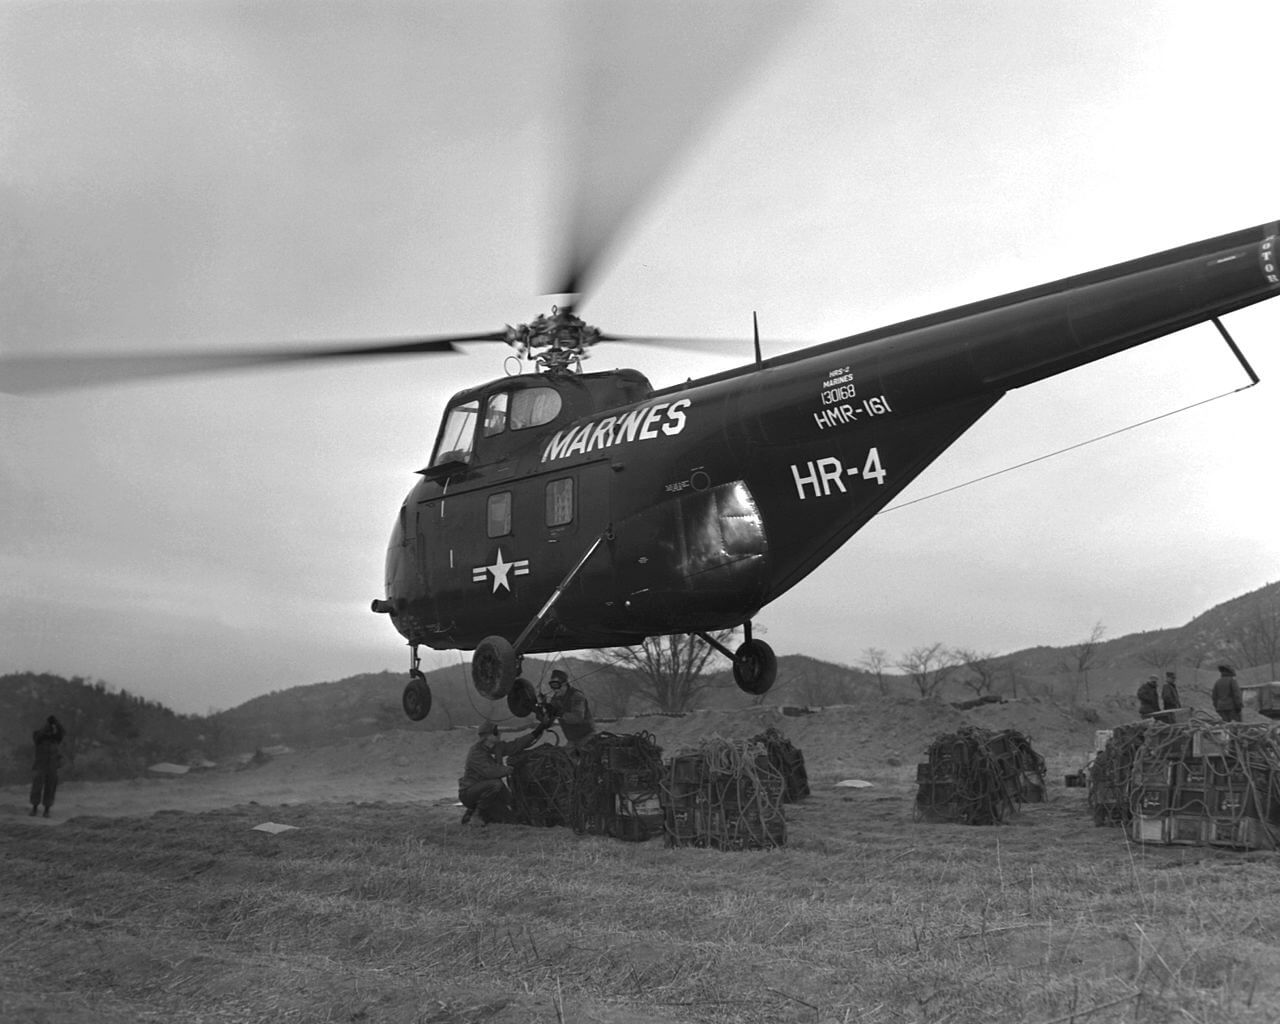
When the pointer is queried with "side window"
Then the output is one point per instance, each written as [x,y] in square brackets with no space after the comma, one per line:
[499,517]
[532,407]
[458,434]
[560,502]
[495,413]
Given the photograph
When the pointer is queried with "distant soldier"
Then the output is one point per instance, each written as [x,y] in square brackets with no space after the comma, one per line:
[1169,692]
[481,788]
[1149,697]
[569,705]
[44,771]
[1226,695]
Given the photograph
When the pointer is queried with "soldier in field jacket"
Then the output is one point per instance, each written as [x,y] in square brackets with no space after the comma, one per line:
[481,788]
[44,770]
[1226,695]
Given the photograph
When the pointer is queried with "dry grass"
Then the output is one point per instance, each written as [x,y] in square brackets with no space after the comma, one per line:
[393,912]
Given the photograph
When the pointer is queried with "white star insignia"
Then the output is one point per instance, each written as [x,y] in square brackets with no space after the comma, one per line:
[501,570]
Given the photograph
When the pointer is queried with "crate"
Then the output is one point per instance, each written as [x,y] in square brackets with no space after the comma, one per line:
[938,801]
[1269,700]
[1210,744]
[1234,801]
[1187,829]
[1152,773]
[1191,773]
[1225,774]
[1190,801]
[1149,829]
[1153,801]
[688,768]
[1244,833]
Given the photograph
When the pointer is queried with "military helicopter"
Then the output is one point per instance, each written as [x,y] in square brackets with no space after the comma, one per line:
[564,510]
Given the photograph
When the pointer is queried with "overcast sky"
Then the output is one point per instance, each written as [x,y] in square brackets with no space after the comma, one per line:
[185,175]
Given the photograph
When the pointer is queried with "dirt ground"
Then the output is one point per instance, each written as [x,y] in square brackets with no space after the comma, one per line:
[880,741]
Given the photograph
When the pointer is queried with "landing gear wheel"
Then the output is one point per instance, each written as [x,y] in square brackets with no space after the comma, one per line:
[755,667]
[416,699]
[522,699]
[493,667]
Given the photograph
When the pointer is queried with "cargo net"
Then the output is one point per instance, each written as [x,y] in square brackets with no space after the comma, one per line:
[1108,774]
[542,786]
[978,777]
[615,787]
[726,795]
[789,762]
[1202,782]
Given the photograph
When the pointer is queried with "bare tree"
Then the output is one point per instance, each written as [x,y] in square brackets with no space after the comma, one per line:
[1010,669]
[1255,639]
[928,666]
[1161,654]
[1082,658]
[874,660]
[666,671]
[981,669]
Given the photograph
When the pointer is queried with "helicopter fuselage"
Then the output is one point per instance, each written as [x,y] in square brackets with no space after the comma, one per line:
[712,498]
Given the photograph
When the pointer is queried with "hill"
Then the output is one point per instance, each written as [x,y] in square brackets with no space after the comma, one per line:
[110,733]
[114,734]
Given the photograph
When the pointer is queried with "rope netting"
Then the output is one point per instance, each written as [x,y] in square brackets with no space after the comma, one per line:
[1204,781]
[978,777]
[725,794]
[789,762]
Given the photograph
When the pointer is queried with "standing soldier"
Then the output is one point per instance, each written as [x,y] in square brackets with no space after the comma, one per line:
[1226,695]
[1169,694]
[44,772]
[1149,697]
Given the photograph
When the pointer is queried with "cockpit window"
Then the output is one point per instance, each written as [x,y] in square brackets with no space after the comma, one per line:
[458,434]
[495,413]
[532,407]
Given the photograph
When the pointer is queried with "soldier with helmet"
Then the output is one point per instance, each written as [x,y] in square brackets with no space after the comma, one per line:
[569,705]
[482,788]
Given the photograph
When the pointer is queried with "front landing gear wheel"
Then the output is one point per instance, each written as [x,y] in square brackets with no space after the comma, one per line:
[416,699]
[493,667]
[522,700]
[755,667]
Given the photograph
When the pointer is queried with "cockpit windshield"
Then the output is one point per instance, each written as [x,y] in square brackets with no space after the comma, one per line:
[458,434]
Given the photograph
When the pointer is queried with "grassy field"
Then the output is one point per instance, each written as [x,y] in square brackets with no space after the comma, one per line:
[394,912]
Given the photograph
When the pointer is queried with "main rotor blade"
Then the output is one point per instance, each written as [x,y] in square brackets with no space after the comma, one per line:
[27,374]
[646,77]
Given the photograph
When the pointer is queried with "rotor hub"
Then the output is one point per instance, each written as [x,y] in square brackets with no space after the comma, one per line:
[557,343]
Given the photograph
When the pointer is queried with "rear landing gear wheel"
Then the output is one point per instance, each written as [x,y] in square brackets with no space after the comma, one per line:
[416,699]
[755,667]
[493,667]
[522,700]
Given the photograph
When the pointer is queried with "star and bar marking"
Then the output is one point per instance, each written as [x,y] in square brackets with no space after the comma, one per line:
[501,570]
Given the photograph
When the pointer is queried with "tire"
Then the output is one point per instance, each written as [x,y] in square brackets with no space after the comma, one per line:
[755,667]
[493,667]
[416,699]
[522,699]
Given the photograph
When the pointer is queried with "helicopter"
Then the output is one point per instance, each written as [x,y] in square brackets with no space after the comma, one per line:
[563,509]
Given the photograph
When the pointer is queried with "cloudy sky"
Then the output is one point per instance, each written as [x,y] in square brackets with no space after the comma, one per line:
[212,176]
